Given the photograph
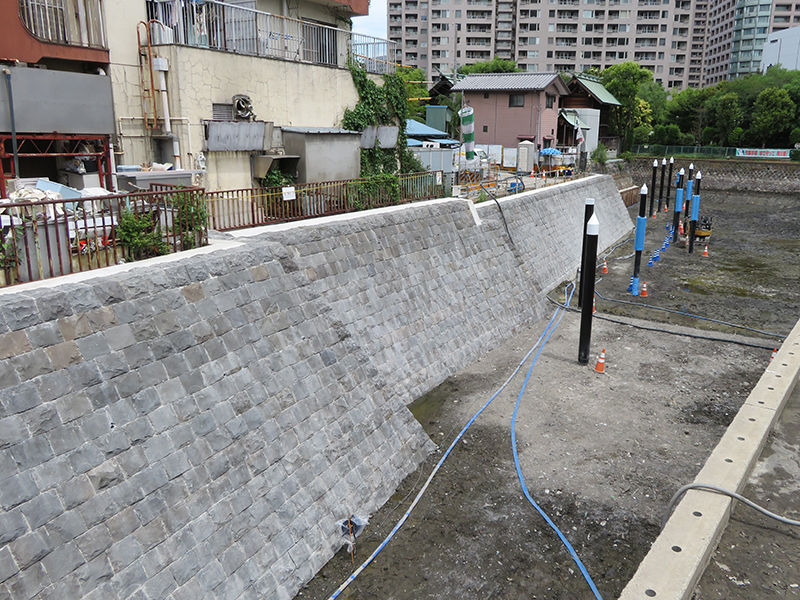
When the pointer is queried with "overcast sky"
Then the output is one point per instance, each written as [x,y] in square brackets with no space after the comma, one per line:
[375,23]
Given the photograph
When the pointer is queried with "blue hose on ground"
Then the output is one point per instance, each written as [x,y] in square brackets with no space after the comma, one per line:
[552,525]
[403,519]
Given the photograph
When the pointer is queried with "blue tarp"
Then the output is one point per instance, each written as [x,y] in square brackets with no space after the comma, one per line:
[416,129]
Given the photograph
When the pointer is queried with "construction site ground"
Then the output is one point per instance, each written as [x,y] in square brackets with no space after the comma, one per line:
[603,453]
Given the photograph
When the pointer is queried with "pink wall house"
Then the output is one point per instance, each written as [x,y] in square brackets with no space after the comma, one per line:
[514,107]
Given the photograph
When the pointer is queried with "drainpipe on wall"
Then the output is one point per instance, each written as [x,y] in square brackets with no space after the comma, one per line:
[162,66]
[7,73]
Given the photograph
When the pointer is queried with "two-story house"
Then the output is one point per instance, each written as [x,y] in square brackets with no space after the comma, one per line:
[514,107]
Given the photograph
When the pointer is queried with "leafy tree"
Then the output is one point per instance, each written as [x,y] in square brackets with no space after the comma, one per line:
[669,135]
[794,136]
[655,95]
[710,135]
[641,134]
[687,110]
[416,87]
[724,111]
[772,115]
[735,136]
[623,81]
[495,65]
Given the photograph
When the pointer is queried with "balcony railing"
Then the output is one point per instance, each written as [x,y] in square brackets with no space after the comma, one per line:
[230,28]
[77,23]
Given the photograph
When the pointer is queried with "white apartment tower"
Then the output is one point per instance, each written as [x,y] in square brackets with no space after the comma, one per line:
[684,43]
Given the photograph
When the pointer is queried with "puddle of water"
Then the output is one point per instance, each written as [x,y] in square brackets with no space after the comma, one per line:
[426,407]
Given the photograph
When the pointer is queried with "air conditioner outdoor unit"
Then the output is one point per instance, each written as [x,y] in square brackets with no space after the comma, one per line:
[431,145]
[243,108]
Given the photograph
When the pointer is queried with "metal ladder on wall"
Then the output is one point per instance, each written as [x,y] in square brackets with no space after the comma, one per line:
[147,79]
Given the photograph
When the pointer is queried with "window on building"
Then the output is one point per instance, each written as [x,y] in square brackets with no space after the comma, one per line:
[516,100]
[550,101]
[485,129]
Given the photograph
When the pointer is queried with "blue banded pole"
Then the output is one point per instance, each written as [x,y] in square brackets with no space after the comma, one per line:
[695,213]
[678,206]
[638,242]
[687,196]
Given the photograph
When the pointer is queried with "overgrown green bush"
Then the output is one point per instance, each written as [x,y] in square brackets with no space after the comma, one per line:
[140,236]
[600,154]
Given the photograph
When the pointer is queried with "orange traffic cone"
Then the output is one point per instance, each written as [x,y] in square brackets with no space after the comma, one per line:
[705,252]
[774,352]
[600,367]
[644,290]
[605,267]
[594,306]
[680,227]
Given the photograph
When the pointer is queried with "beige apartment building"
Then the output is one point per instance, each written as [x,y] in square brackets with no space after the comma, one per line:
[684,43]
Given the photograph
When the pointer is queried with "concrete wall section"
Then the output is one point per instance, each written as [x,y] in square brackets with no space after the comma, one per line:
[194,428]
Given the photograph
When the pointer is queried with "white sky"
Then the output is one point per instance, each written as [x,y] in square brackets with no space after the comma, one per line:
[375,23]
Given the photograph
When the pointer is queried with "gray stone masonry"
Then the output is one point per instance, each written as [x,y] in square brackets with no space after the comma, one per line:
[194,428]
[730,175]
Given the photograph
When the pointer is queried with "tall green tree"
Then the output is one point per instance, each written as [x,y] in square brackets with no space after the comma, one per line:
[773,113]
[623,81]
[688,110]
[724,112]
[656,96]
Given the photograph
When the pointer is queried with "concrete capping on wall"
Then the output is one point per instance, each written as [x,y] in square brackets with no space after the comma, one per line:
[193,426]
[680,554]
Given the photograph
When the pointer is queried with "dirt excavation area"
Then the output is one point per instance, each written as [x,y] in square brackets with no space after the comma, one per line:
[601,454]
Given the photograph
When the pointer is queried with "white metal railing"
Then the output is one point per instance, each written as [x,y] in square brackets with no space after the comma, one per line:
[230,28]
[73,22]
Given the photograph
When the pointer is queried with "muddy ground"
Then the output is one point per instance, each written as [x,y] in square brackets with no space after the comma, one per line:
[601,454]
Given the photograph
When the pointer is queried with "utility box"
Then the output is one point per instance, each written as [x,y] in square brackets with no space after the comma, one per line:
[527,157]
[326,153]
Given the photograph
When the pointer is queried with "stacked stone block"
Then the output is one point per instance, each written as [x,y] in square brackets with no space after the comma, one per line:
[194,429]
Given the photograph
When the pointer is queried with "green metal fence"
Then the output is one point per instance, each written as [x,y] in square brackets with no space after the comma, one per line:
[694,151]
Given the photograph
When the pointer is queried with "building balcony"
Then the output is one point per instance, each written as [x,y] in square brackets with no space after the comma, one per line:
[38,29]
[229,28]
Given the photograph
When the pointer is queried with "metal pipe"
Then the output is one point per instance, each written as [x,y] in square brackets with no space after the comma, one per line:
[7,73]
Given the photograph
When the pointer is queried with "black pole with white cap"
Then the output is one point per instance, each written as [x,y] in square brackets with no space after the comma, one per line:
[588,268]
[588,211]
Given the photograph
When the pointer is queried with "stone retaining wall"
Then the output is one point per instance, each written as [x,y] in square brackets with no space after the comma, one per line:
[782,177]
[193,427]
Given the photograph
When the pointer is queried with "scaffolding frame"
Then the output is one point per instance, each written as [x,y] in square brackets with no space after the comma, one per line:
[38,145]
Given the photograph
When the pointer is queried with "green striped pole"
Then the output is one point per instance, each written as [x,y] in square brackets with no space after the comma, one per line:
[468,131]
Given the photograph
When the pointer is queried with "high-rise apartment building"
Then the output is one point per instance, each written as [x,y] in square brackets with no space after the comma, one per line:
[684,43]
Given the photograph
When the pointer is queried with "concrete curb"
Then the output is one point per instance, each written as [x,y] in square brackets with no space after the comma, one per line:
[679,555]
